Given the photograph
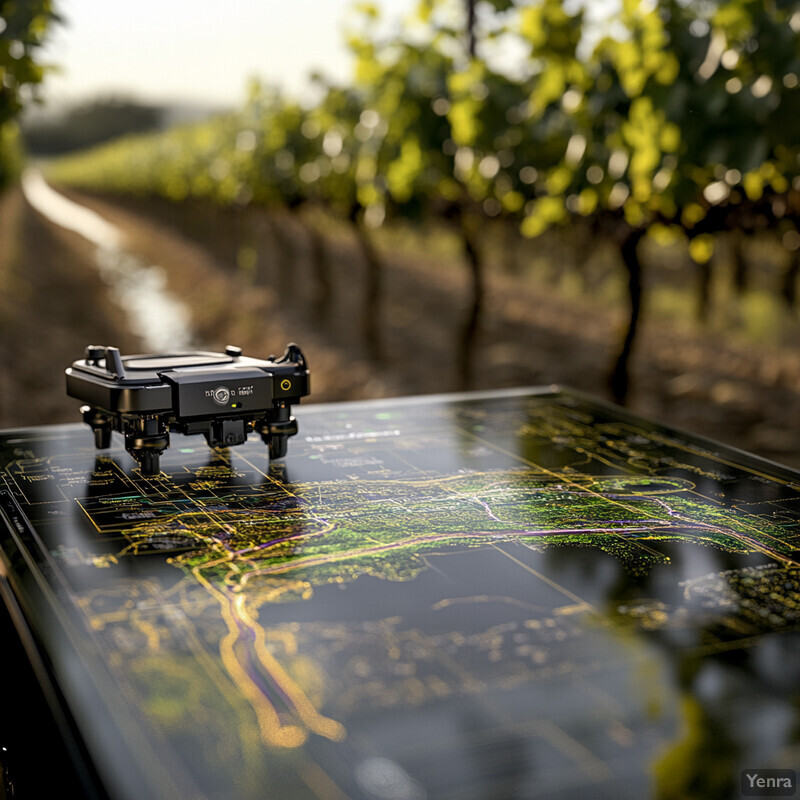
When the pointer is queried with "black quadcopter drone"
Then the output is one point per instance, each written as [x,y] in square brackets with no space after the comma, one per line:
[224,396]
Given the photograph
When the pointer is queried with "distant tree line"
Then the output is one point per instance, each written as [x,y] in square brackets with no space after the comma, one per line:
[90,124]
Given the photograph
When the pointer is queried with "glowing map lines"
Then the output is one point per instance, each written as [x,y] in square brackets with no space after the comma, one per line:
[503,576]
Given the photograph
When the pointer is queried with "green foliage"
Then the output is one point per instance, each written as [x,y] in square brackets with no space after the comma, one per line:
[23,25]
[10,153]
[690,112]
[682,121]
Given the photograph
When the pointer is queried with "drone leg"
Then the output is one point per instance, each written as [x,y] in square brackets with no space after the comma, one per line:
[278,445]
[149,463]
[276,431]
[146,450]
[101,426]
[102,437]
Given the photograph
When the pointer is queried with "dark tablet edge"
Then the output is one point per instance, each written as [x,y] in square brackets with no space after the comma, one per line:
[130,784]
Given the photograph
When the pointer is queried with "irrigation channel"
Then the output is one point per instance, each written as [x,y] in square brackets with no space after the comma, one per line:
[156,316]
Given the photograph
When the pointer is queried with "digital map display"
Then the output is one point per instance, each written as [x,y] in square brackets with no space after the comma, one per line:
[497,596]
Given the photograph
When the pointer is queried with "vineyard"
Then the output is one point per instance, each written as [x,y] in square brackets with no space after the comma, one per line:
[648,163]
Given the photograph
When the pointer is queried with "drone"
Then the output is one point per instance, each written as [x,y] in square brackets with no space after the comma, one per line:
[224,396]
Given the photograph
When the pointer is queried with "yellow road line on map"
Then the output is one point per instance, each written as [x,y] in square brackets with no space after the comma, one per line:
[88,515]
[273,730]
[558,587]
[566,479]
[324,726]
[708,454]
[561,477]
[320,782]
[268,477]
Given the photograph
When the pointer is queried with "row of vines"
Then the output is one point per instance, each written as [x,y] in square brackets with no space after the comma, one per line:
[675,121]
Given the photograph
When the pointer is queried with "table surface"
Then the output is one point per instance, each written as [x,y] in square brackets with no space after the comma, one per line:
[514,594]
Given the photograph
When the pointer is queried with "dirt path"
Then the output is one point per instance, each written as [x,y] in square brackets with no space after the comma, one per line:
[744,396]
[52,305]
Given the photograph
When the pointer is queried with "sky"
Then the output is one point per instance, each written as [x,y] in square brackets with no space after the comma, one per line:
[203,53]
[197,51]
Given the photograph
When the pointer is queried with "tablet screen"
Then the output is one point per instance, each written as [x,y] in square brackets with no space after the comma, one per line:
[515,594]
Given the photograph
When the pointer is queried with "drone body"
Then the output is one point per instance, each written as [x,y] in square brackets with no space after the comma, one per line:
[224,396]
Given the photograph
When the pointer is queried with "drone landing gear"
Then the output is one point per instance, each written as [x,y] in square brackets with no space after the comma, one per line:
[146,439]
[276,430]
[147,452]
[101,424]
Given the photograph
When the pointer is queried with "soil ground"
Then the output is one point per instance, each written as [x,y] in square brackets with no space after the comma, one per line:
[248,278]
[52,304]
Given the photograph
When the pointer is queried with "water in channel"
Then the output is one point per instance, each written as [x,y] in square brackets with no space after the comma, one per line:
[155,315]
